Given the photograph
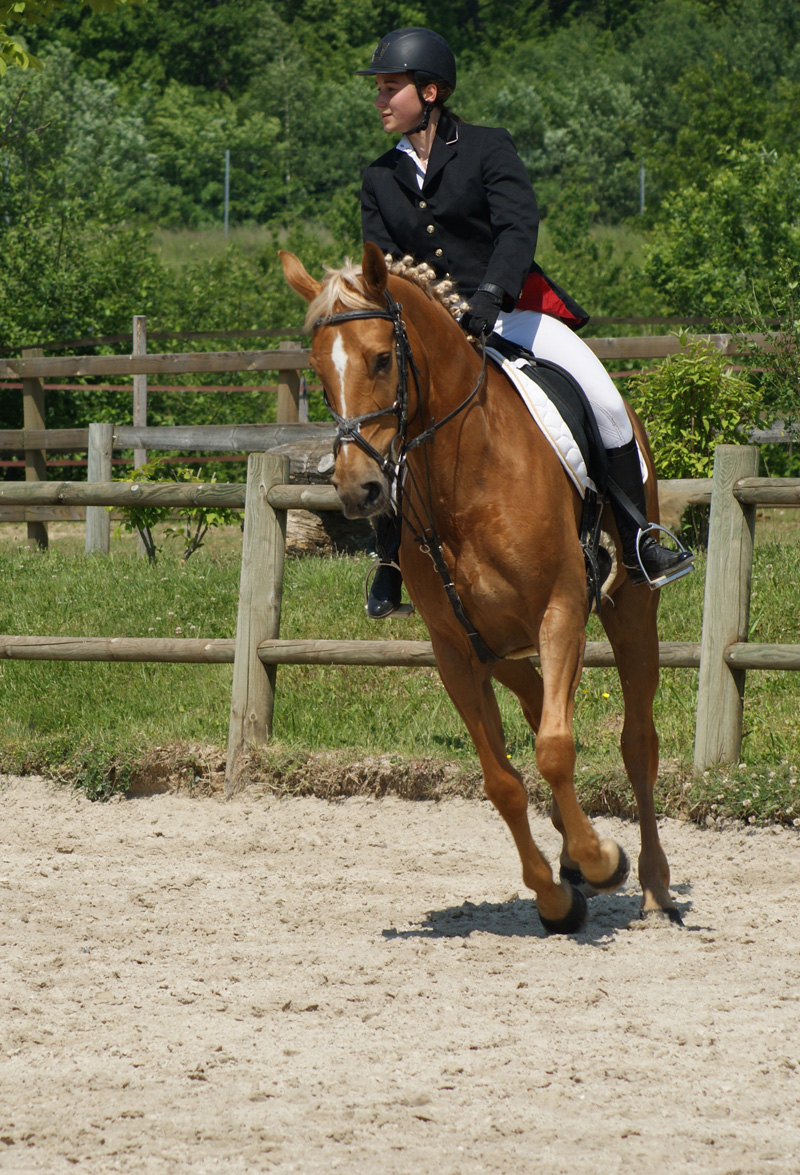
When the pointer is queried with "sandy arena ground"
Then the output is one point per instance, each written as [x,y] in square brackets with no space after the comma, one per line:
[299,986]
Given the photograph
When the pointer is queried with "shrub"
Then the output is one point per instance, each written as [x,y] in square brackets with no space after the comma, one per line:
[689,404]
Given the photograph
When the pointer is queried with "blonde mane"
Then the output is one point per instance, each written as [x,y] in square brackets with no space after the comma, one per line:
[342,288]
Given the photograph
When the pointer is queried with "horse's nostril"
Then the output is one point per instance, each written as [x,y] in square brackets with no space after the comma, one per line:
[372,491]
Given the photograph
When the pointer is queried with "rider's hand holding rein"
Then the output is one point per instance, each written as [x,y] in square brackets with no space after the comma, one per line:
[484,309]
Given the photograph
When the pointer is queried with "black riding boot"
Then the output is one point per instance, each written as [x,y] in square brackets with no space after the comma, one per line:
[385,590]
[645,560]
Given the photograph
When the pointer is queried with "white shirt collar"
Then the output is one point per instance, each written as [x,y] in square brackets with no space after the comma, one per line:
[405,146]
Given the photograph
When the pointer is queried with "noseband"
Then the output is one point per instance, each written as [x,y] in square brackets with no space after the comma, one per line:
[348,428]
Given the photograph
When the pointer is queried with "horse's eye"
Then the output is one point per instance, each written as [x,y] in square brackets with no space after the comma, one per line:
[383,362]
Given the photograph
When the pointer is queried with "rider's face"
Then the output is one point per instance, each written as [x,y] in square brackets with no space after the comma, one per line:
[399,103]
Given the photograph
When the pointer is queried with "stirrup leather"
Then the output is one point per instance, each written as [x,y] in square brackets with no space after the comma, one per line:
[401,609]
[659,581]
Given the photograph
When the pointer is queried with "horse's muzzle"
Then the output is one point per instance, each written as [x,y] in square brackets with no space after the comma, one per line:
[362,499]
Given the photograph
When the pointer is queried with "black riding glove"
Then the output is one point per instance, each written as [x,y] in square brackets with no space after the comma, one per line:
[482,314]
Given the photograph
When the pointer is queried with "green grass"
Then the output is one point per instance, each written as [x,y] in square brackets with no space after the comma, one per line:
[92,722]
[177,248]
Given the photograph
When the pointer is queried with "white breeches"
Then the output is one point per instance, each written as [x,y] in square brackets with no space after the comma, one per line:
[547,338]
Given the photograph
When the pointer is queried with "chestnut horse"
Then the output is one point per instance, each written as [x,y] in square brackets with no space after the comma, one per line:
[490,554]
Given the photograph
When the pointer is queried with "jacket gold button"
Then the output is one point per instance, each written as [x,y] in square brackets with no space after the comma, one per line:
[440,253]
[431,228]
[423,203]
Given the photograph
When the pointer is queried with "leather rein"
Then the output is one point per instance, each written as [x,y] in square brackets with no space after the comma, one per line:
[348,430]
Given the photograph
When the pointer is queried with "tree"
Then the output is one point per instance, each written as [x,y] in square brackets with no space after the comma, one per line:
[32,12]
[717,247]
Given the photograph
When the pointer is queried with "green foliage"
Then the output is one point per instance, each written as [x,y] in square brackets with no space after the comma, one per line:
[31,12]
[95,771]
[572,116]
[691,403]
[777,372]
[69,137]
[65,276]
[131,118]
[195,520]
[188,133]
[599,267]
[717,247]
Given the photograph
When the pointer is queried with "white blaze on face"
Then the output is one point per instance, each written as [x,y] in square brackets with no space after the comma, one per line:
[339,358]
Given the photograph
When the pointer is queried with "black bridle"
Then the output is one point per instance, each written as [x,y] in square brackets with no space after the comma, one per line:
[348,429]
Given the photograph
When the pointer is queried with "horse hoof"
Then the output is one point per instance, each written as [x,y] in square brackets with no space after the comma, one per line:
[574,877]
[671,913]
[572,921]
[617,878]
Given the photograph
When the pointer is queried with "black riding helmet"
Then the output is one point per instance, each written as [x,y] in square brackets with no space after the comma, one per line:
[422,53]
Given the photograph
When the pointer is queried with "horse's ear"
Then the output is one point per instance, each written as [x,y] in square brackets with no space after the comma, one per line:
[373,271]
[297,277]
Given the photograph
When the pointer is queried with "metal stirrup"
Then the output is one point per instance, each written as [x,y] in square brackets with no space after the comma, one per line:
[659,581]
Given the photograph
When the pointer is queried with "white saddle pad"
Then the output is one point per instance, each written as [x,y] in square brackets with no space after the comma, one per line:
[551,422]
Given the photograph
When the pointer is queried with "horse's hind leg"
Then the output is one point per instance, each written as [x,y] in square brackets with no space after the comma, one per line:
[561,908]
[632,631]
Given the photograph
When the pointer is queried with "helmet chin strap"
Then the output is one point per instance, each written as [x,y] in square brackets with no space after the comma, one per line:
[427,107]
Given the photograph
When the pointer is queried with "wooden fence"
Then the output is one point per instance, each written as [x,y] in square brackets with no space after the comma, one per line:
[723,654]
[32,369]
[288,360]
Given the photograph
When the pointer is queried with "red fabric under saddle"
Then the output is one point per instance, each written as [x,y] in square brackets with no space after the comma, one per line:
[543,296]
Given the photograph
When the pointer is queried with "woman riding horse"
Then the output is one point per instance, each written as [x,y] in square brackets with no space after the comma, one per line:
[457,196]
[496,571]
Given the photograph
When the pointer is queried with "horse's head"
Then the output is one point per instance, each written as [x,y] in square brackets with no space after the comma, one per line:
[358,343]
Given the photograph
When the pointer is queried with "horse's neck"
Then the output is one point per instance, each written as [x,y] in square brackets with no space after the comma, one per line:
[449,366]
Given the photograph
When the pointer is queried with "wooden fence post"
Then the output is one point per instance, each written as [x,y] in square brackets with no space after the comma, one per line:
[288,410]
[726,610]
[35,459]
[259,618]
[98,468]
[139,386]
[140,403]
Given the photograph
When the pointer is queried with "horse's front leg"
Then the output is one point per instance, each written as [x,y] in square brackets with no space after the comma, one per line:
[562,909]
[524,680]
[603,864]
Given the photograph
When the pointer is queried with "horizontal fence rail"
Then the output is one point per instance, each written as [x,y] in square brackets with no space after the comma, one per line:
[294,331]
[97,648]
[599,654]
[672,654]
[233,438]
[86,366]
[191,362]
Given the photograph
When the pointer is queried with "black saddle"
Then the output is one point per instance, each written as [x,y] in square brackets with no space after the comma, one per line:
[570,399]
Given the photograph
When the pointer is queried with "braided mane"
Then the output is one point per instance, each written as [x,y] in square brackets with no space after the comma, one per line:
[342,287]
